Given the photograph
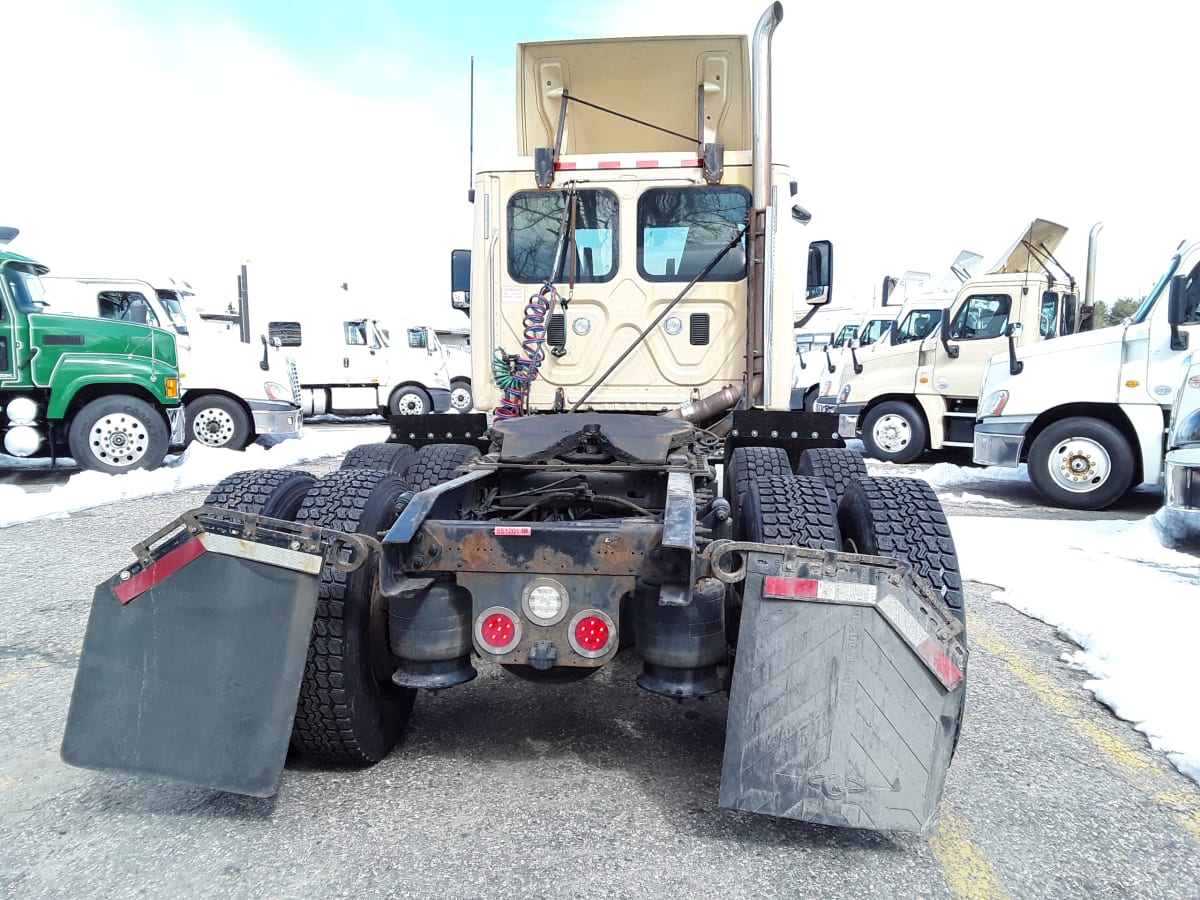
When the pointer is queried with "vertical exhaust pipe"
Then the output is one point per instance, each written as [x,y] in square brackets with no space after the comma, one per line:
[760,146]
[1089,278]
[760,102]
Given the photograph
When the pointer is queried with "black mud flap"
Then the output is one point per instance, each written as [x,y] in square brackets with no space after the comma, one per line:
[847,690]
[193,657]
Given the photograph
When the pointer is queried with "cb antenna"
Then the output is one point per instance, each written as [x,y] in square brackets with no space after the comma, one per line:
[471,140]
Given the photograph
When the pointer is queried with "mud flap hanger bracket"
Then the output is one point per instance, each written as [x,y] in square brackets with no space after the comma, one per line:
[893,589]
[345,552]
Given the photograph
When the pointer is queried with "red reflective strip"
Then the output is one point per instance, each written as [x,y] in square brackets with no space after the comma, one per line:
[947,672]
[690,162]
[647,163]
[159,570]
[777,586]
[608,164]
[564,165]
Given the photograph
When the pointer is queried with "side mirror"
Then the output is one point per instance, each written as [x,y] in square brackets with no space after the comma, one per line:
[460,280]
[820,273]
[1012,332]
[1177,312]
[951,349]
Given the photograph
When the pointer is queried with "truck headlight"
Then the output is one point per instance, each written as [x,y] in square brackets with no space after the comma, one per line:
[844,394]
[1187,431]
[994,403]
[276,391]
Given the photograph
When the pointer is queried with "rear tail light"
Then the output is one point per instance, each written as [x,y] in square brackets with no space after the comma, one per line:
[591,633]
[497,630]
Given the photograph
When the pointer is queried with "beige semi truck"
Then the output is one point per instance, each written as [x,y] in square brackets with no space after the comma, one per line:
[923,395]
[590,518]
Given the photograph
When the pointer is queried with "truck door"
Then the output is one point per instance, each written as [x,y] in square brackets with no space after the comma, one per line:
[360,367]
[1163,363]
[977,329]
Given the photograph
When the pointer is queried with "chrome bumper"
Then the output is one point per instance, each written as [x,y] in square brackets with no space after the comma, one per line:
[177,417]
[1181,480]
[276,417]
[999,443]
[847,422]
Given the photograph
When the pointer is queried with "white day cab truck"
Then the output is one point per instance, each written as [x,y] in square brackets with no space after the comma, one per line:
[232,393]
[1089,413]
[819,384]
[350,363]
[589,519]
[923,395]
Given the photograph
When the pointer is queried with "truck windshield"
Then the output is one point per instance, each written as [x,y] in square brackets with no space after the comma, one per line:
[916,325]
[1148,303]
[873,331]
[174,306]
[25,287]
[681,230]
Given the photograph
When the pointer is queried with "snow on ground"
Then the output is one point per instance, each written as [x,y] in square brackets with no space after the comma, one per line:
[1123,591]
[196,466]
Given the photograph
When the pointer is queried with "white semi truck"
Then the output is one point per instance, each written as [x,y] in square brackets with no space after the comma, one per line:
[1089,412]
[922,395]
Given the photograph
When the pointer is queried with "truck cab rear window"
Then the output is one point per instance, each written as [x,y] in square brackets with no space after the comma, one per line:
[682,230]
[535,220]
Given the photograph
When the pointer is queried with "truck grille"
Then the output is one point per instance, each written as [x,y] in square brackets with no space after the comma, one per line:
[293,380]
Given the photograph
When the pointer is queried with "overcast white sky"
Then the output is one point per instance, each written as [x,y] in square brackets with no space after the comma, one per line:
[1079,576]
[184,138]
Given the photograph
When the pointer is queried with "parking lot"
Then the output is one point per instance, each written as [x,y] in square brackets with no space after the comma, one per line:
[504,788]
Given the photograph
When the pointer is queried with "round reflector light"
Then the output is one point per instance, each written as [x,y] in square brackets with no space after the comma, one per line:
[591,633]
[545,600]
[498,630]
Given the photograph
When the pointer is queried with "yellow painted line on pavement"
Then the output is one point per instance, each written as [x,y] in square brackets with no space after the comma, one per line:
[1187,808]
[1074,710]
[16,677]
[968,873]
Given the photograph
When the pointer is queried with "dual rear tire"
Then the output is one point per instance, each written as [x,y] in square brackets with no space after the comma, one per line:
[349,712]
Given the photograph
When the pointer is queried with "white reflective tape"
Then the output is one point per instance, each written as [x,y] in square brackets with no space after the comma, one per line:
[903,620]
[846,592]
[295,560]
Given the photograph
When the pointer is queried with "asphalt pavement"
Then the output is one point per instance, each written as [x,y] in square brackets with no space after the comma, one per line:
[503,788]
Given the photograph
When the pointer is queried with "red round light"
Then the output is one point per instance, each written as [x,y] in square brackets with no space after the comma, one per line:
[498,630]
[591,633]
